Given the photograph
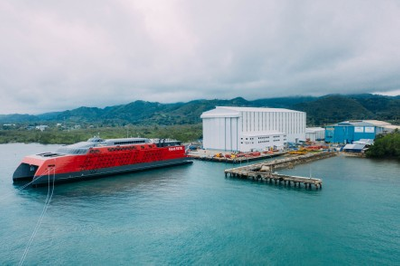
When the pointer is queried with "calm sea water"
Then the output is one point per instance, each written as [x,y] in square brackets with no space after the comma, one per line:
[192,215]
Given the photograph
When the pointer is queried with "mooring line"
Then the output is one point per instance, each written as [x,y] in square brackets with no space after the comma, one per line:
[39,222]
[23,187]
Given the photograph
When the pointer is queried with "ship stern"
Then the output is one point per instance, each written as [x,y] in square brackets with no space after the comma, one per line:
[30,169]
[25,172]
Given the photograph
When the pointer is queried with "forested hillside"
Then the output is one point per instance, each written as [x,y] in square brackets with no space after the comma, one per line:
[320,111]
[333,108]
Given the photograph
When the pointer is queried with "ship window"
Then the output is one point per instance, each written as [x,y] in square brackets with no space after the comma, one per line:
[129,142]
[49,154]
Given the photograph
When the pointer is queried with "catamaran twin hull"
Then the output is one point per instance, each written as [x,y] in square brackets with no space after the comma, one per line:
[97,157]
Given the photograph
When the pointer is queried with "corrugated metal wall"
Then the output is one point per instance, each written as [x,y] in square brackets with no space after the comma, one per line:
[221,133]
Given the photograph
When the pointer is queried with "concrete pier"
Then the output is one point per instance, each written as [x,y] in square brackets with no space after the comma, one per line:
[265,171]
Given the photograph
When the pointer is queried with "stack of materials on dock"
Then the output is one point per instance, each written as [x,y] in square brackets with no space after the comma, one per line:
[233,157]
[265,171]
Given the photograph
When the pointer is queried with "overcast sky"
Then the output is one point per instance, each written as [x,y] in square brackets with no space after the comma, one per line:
[58,55]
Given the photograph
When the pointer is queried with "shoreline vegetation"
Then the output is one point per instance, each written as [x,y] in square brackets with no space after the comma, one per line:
[386,146]
[184,133]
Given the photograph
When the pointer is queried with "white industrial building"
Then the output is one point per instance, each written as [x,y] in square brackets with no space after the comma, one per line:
[315,133]
[246,128]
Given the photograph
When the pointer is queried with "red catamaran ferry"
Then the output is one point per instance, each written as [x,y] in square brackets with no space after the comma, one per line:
[99,157]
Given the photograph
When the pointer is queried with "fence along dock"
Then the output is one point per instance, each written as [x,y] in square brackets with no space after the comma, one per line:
[265,171]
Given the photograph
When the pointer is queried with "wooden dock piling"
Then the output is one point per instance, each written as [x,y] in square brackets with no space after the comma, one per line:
[265,171]
[280,179]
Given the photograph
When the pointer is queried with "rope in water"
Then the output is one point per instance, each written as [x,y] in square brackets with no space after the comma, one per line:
[50,192]
[24,186]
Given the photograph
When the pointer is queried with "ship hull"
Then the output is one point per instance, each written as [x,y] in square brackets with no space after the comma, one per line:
[97,157]
[41,180]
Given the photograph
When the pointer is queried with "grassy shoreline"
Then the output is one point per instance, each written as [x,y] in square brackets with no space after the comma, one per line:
[183,133]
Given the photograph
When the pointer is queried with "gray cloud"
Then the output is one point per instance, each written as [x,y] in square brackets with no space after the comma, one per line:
[60,55]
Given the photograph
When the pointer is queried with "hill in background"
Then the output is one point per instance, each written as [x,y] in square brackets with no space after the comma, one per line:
[320,111]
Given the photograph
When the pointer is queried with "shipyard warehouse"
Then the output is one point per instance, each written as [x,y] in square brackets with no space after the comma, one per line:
[245,129]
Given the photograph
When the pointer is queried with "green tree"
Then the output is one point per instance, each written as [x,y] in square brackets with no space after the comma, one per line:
[386,146]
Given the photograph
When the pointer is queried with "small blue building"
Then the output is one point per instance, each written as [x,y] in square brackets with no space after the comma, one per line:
[349,131]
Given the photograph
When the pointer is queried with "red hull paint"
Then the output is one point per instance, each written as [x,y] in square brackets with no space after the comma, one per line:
[100,158]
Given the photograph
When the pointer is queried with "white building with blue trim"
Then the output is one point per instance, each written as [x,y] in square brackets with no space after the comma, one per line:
[350,131]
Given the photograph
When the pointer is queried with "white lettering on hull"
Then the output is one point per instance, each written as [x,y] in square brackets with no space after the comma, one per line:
[175,149]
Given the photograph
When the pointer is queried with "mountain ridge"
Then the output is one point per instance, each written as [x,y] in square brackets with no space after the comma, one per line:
[320,110]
